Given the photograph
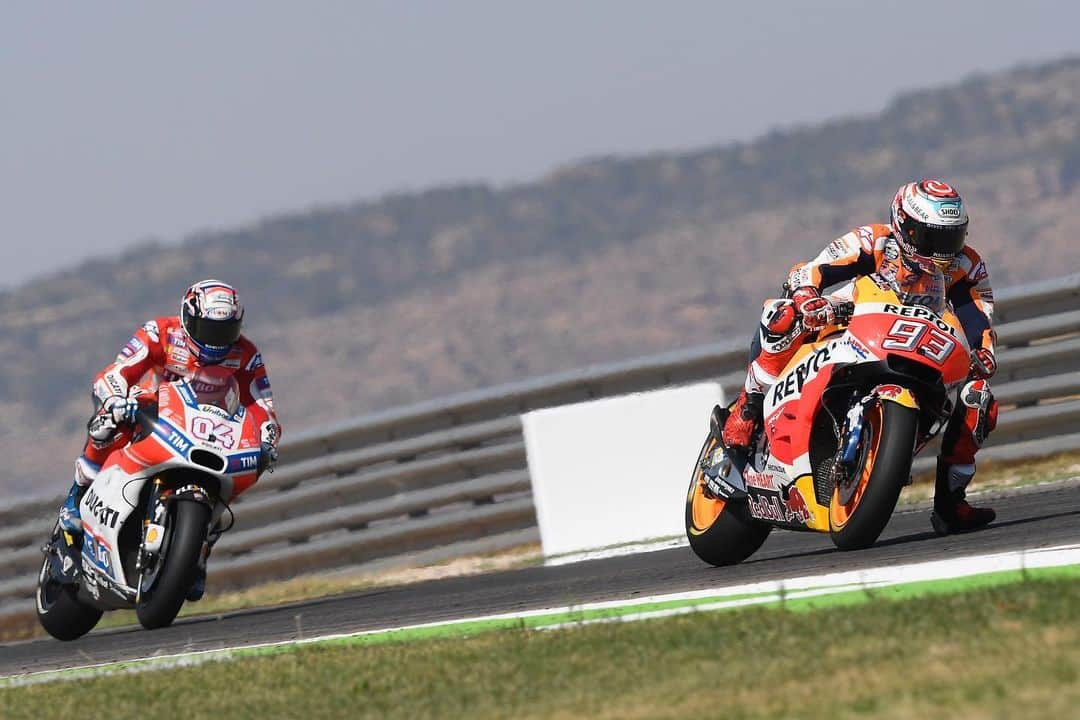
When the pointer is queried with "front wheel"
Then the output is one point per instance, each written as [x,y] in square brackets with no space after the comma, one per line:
[58,608]
[885,455]
[720,533]
[158,605]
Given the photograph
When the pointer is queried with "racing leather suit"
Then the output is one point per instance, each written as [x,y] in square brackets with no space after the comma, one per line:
[158,353]
[868,249]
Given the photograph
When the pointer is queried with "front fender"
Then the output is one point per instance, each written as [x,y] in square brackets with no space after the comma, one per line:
[192,493]
[896,394]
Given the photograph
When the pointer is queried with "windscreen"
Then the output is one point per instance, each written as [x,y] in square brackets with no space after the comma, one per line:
[216,387]
[924,286]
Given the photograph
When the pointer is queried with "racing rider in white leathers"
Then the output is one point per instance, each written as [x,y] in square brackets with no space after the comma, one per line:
[207,332]
[927,233]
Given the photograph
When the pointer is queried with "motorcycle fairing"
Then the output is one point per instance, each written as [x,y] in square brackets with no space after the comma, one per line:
[169,445]
[792,404]
[105,508]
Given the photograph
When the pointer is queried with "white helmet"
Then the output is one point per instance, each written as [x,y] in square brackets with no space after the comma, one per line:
[211,315]
[929,220]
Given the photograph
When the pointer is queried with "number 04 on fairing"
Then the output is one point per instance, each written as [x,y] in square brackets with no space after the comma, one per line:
[841,426]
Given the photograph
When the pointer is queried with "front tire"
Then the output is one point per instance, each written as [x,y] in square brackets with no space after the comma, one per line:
[886,452]
[720,533]
[59,610]
[158,606]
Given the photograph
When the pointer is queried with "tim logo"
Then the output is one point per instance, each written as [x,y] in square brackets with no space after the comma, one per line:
[179,442]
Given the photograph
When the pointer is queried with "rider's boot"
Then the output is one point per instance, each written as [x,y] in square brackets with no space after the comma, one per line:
[744,418]
[952,513]
[69,516]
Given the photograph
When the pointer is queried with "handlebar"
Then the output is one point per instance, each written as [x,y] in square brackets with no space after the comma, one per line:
[146,418]
[844,310]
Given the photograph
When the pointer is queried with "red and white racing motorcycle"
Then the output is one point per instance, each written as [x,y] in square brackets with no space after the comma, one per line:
[148,517]
[841,426]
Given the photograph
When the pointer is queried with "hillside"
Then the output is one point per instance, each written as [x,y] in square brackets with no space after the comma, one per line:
[411,296]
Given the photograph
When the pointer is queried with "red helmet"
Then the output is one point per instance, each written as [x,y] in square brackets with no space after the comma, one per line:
[929,220]
[211,315]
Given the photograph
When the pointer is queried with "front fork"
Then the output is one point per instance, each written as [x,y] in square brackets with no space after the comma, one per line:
[853,423]
[851,436]
[155,530]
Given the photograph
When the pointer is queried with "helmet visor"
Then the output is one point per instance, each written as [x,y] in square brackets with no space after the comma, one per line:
[937,241]
[214,333]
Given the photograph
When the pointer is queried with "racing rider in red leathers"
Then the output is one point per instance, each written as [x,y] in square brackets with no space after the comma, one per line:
[928,229]
[207,332]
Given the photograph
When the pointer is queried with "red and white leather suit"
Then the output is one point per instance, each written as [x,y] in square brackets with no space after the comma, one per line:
[158,352]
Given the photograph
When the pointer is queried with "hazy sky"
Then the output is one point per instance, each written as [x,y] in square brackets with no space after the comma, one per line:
[123,121]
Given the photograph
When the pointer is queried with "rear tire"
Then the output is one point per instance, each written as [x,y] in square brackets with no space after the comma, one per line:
[886,468]
[720,533]
[59,610]
[158,607]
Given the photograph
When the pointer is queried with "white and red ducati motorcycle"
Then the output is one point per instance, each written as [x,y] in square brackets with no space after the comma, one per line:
[149,514]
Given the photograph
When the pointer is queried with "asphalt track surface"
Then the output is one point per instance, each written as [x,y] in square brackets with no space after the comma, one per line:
[1039,518]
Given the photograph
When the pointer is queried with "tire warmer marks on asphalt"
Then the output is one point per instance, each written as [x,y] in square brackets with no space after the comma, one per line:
[797,593]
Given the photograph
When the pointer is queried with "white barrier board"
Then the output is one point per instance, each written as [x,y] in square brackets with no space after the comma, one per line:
[614,471]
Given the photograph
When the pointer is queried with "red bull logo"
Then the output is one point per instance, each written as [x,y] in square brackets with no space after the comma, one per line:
[796,507]
[766,508]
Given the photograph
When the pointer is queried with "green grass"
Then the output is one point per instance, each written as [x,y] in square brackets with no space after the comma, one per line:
[1006,651]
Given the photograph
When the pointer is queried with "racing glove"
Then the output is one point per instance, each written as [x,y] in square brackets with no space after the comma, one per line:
[114,411]
[267,458]
[983,363]
[816,311]
[270,433]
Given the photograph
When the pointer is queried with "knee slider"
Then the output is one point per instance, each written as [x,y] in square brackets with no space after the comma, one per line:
[977,397]
[780,317]
[779,325]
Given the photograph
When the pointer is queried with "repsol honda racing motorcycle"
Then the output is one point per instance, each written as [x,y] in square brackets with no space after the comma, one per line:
[841,426]
[149,515]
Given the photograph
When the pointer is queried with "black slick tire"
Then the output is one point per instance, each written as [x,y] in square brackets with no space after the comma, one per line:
[892,457]
[158,607]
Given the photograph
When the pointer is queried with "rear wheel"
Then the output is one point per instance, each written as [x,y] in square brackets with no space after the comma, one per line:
[158,605]
[885,454]
[58,608]
[720,533]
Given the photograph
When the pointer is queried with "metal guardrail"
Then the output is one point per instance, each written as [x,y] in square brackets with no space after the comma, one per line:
[449,476]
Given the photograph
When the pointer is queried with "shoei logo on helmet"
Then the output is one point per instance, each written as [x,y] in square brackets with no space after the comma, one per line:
[949,211]
[938,188]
